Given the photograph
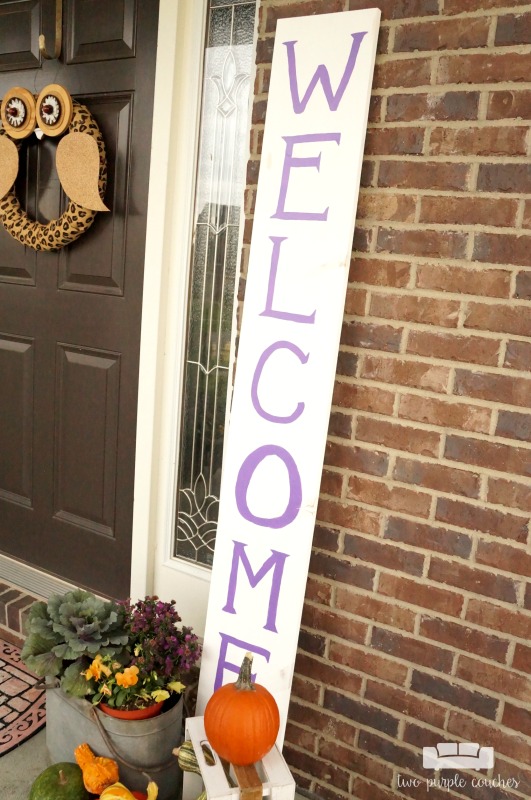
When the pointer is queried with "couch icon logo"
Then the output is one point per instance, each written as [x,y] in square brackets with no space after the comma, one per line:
[454,755]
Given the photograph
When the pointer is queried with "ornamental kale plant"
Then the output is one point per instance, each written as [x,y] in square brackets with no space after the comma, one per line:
[64,635]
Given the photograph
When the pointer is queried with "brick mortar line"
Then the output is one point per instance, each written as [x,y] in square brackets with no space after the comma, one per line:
[475,366]
[448,124]
[491,36]
[390,465]
[521,591]
[431,518]
[395,56]
[470,267]
[452,462]
[484,487]
[431,394]
[425,260]
[370,223]
[520,212]
[504,343]
[433,361]
[404,344]
[434,395]
[418,199]
[459,158]
[413,326]
[453,669]
[442,88]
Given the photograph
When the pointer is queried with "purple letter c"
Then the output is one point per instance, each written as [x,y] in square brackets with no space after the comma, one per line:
[303,358]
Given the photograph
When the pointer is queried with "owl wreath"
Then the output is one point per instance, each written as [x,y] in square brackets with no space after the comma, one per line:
[80,161]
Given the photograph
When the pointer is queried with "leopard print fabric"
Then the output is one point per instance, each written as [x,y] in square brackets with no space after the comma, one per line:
[75,220]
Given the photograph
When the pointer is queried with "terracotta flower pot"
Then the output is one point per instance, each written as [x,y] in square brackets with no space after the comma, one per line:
[133,713]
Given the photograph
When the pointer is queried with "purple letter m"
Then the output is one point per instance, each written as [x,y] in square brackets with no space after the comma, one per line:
[275,562]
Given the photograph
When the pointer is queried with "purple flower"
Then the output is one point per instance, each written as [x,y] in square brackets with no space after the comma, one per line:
[158,644]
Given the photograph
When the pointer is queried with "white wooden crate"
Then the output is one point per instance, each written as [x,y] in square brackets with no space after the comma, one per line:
[275,777]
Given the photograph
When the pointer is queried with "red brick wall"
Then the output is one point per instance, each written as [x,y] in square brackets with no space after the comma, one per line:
[417,612]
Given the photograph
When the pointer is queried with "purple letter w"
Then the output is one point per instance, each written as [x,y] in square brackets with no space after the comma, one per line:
[321,74]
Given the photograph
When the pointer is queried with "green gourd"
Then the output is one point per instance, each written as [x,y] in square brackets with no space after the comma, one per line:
[63,781]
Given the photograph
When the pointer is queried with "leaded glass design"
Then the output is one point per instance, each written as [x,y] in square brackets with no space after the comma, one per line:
[223,149]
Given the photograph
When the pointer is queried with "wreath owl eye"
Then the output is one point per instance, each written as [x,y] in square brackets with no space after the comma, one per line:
[16,112]
[50,109]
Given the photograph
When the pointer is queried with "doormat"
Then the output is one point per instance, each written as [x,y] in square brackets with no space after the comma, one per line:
[22,701]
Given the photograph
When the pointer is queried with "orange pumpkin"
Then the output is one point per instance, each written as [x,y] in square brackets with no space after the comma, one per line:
[242,719]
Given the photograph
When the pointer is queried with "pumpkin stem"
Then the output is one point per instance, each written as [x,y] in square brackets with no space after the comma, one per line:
[62,779]
[244,681]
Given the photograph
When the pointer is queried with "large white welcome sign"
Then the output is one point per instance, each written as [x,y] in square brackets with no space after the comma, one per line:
[298,270]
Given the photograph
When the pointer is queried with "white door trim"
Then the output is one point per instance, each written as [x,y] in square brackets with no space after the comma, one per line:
[169,230]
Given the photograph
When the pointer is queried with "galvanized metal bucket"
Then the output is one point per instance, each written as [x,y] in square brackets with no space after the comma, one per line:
[143,748]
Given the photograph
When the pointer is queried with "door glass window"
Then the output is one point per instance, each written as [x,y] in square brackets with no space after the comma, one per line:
[223,153]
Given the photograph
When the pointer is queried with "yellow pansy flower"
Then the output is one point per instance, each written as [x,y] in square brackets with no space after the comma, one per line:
[129,677]
[159,695]
[97,669]
[176,686]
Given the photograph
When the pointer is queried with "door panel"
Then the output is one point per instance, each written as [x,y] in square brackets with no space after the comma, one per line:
[86,422]
[101,30]
[70,321]
[16,439]
[19,34]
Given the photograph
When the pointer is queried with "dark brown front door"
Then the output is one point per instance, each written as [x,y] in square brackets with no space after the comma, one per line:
[70,320]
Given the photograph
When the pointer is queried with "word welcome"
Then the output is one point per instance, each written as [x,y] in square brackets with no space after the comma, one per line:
[298,270]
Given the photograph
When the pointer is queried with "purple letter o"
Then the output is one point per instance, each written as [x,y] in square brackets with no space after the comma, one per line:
[295,488]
